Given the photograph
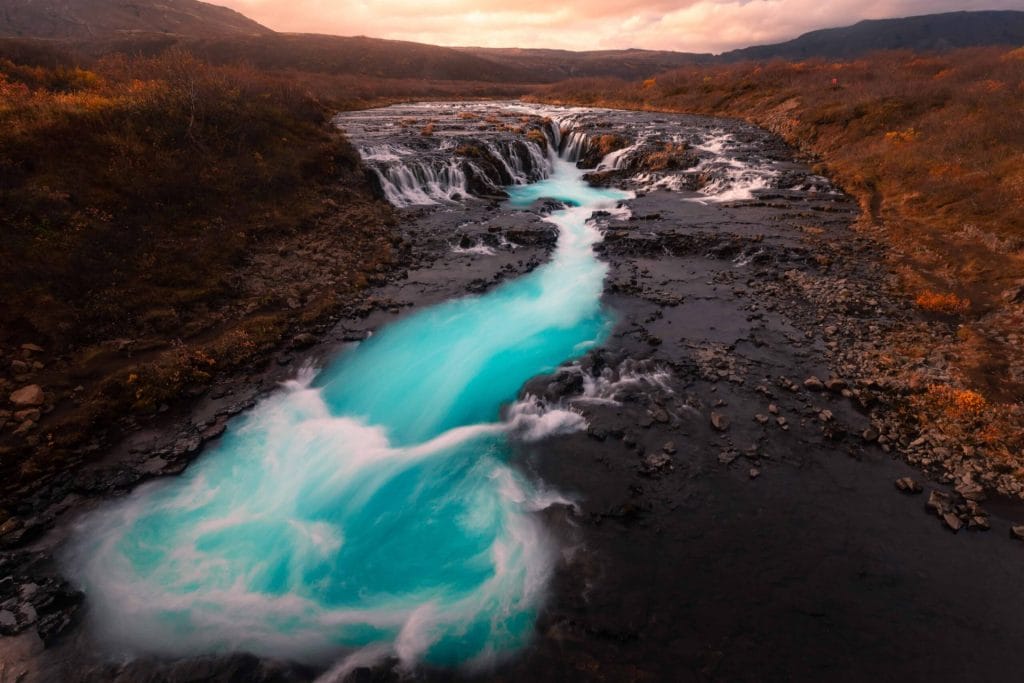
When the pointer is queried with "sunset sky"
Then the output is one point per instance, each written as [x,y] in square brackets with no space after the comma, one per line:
[684,25]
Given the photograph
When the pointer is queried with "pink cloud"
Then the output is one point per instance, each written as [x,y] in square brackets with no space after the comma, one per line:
[684,25]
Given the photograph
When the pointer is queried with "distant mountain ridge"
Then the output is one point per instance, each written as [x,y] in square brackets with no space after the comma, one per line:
[221,35]
[927,33]
[103,19]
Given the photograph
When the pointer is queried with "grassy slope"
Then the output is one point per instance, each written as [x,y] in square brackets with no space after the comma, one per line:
[933,147]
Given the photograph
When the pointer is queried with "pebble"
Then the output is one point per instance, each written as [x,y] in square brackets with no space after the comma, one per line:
[726,457]
[908,485]
[939,502]
[812,383]
[836,386]
[719,421]
[28,396]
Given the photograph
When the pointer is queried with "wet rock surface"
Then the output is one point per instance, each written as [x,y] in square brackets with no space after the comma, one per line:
[735,515]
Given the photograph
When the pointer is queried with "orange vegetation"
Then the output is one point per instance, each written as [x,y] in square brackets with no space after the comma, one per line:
[942,303]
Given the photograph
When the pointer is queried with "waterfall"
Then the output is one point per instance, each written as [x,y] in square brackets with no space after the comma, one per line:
[574,145]
[614,161]
[408,180]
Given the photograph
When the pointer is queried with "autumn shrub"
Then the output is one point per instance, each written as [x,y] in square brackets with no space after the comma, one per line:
[956,403]
[936,302]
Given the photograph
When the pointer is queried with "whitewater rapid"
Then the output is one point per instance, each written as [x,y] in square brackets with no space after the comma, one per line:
[367,510]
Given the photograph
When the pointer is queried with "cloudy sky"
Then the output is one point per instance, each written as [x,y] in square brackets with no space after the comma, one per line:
[684,25]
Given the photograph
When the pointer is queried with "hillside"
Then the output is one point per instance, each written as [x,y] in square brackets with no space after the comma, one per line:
[359,55]
[100,19]
[554,65]
[928,33]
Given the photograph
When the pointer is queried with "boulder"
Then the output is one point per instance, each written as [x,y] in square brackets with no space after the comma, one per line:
[908,485]
[952,521]
[836,386]
[812,383]
[28,397]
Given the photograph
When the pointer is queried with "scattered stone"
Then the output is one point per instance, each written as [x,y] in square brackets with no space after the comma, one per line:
[29,396]
[952,521]
[825,416]
[979,522]
[754,473]
[303,340]
[28,414]
[939,502]
[669,447]
[656,462]
[32,348]
[24,428]
[836,386]
[908,485]
[812,383]
[773,409]
[727,457]
[971,491]
[1017,532]
[28,613]
[1014,295]
[719,421]
[782,422]
[869,435]
[761,418]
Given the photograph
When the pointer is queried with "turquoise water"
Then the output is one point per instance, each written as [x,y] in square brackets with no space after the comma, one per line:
[369,507]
